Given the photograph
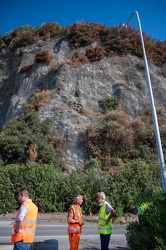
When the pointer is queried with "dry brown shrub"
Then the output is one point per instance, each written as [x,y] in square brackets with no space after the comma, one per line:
[95,53]
[57,64]
[39,99]
[43,56]
[25,67]
[79,127]
[67,168]
[58,106]
[120,116]
[111,53]
[112,134]
[137,125]
[32,152]
[125,85]
[21,37]
[58,141]
[84,33]
[88,111]
[141,66]
[49,30]
[79,57]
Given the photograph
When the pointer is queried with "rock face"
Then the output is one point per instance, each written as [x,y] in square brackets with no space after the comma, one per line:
[75,91]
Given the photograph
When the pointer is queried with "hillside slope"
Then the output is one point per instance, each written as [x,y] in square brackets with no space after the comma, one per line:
[73,91]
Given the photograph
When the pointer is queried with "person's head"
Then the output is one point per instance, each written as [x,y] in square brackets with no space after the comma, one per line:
[78,200]
[23,195]
[101,197]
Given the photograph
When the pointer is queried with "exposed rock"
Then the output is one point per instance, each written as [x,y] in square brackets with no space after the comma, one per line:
[76,91]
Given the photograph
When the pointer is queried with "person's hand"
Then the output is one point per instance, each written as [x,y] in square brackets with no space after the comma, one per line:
[107,221]
[81,223]
[17,232]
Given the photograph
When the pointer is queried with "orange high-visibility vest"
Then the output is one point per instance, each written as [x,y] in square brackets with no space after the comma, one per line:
[28,227]
[77,215]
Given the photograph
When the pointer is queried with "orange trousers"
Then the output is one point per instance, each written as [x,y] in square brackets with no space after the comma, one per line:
[74,241]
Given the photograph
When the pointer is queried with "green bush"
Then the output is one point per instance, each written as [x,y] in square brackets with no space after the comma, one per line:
[27,138]
[21,37]
[110,137]
[109,103]
[116,138]
[149,232]
[53,191]
[84,33]
[132,178]
[43,181]
[49,30]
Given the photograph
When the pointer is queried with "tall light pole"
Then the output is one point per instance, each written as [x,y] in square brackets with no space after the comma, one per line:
[153,109]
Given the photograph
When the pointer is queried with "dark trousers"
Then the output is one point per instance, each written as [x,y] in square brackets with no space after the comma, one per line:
[22,246]
[104,239]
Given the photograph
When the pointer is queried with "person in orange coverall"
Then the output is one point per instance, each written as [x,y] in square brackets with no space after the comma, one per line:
[75,222]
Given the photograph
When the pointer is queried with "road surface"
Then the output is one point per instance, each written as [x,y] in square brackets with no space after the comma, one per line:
[58,230]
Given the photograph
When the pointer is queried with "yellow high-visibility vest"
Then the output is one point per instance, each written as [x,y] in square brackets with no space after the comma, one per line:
[102,227]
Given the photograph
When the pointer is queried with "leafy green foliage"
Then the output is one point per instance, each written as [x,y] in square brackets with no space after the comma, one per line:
[110,137]
[123,158]
[54,191]
[43,182]
[149,232]
[116,139]
[22,37]
[28,139]
[49,30]
[135,175]
[109,104]
[84,34]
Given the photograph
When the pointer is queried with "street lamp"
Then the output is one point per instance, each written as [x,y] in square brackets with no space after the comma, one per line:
[153,109]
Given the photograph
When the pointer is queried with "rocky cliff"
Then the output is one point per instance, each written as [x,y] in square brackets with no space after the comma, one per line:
[75,91]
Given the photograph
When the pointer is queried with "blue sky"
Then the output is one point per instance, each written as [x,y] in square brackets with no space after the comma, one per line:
[152,13]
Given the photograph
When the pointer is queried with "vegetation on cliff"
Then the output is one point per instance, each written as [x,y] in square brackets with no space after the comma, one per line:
[108,42]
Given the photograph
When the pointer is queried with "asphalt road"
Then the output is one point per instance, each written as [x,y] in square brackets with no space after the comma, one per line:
[58,230]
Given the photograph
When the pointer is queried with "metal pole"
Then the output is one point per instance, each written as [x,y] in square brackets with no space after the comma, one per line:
[153,109]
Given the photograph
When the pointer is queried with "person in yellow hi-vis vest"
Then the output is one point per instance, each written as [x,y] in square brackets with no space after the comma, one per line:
[142,208]
[24,226]
[75,222]
[106,213]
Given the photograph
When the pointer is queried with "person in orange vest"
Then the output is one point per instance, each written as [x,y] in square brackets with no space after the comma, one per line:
[75,222]
[24,226]
[106,213]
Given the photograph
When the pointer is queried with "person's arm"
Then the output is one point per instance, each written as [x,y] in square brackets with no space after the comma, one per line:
[18,225]
[110,211]
[20,218]
[71,220]
[111,215]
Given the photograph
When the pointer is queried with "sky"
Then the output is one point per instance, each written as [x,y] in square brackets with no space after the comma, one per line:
[152,14]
